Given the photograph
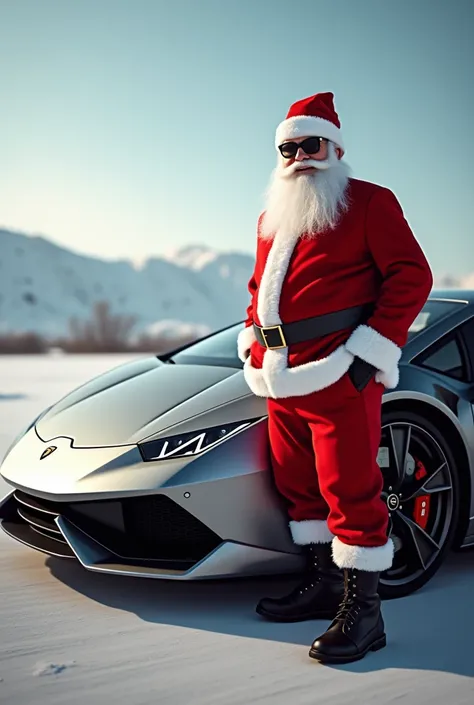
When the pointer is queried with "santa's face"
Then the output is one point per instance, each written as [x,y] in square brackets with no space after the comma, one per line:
[308,190]
[297,154]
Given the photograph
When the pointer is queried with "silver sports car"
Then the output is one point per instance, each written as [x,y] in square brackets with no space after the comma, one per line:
[160,467]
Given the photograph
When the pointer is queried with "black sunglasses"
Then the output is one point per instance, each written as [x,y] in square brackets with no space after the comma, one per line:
[311,145]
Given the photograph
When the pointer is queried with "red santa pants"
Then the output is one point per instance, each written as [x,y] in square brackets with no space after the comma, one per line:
[323,449]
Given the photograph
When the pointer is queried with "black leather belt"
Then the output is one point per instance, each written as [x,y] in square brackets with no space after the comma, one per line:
[276,337]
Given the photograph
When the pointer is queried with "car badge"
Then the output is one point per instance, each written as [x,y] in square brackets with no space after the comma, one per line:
[48,451]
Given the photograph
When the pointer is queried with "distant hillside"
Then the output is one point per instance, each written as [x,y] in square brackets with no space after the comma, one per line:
[42,286]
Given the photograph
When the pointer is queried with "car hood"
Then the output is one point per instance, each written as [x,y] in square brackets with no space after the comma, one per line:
[138,400]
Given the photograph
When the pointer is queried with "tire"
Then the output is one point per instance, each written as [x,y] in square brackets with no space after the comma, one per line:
[425,440]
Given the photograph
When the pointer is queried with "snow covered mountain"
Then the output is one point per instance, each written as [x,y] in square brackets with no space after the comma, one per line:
[43,285]
[450,281]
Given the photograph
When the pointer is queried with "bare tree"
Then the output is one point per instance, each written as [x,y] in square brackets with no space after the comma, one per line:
[104,332]
[22,344]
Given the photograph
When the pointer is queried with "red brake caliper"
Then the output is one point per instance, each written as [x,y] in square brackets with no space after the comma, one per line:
[422,504]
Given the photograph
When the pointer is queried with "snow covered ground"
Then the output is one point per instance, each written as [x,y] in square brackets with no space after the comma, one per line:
[68,636]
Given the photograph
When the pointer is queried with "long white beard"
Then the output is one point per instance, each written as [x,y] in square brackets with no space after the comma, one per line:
[306,204]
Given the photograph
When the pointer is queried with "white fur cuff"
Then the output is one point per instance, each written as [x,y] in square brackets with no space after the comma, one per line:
[373,558]
[310,531]
[244,341]
[371,346]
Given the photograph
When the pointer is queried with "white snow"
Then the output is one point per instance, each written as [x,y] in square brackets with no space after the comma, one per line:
[69,637]
[43,285]
[193,256]
[166,328]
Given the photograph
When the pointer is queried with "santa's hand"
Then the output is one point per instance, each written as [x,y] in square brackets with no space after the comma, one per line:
[245,340]
[388,379]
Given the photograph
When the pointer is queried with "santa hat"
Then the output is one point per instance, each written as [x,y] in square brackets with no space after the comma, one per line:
[311,117]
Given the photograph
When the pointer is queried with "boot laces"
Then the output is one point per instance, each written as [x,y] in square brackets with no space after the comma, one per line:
[349,607]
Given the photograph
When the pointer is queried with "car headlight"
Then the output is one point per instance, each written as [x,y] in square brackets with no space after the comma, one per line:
[191,443]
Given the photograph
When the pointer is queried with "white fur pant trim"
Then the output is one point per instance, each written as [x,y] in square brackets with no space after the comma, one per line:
[275,379]
[373,558]
[310,531]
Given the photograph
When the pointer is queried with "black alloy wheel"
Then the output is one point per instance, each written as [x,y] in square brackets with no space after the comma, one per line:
[421,489]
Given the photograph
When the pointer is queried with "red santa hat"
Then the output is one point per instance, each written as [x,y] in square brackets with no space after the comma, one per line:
[311,117]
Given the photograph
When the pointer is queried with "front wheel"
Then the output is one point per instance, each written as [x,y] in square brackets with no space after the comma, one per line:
[422,492]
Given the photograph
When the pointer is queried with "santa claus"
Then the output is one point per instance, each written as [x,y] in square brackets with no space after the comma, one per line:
[339,278]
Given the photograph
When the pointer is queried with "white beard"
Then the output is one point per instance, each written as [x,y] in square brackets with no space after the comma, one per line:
[306,204]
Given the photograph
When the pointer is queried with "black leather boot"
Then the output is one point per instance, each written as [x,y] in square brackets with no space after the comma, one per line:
[317,597]
[358,626]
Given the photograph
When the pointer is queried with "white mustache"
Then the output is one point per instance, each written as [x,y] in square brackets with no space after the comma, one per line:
[299,166]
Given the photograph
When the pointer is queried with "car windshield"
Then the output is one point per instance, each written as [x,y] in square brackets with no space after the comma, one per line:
[220,349]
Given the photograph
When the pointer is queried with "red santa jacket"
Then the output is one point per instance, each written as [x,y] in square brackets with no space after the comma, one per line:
[371,256]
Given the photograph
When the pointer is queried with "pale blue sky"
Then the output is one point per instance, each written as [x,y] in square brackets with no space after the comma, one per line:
[129,127]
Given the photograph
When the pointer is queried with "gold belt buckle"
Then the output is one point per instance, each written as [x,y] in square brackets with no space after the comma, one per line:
[282,337]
